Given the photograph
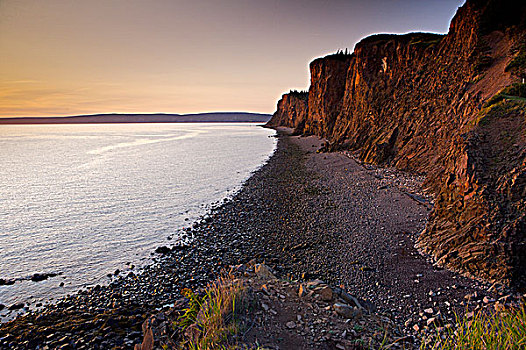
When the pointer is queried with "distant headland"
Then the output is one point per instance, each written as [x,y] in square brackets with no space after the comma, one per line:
[215,117]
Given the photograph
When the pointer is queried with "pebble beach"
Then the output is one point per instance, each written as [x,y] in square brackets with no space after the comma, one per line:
[306,214]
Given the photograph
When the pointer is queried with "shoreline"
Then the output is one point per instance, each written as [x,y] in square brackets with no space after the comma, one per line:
[307,215]
[113,232]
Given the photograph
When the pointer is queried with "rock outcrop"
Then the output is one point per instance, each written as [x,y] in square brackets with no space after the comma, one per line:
[435,105]
[292,111]
[326,93]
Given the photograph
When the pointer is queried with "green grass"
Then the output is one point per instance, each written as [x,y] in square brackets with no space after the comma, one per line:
[509,100]
[501,109]
[518,63]
[505,330]
[209,322]
[515,92]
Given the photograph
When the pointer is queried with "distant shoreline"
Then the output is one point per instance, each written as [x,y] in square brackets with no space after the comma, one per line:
[215,117]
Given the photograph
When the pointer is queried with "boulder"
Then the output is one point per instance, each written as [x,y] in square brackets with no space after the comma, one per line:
[263,271]
[347,311]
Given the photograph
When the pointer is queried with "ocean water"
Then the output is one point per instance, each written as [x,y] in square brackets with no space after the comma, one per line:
[84,200]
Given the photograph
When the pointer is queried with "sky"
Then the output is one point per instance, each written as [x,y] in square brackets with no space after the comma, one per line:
[70,57]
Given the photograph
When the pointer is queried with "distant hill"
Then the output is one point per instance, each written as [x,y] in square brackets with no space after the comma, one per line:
[218,117]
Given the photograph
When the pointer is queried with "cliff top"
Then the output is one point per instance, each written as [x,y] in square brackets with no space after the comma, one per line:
[417,38]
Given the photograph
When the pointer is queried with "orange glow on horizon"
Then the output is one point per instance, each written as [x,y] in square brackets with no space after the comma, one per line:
[71,57]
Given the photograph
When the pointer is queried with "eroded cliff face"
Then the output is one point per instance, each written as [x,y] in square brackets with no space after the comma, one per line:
[420,102]
[326,93]
[292,111]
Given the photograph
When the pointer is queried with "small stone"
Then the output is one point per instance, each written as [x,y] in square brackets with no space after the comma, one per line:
[315,283]
[264,289]
[301,291]
[325,293]
[430,321]
[416,328]
[265,306]
[6,282]
[16,306]
[162,250]
[290,325]
[37,277]
[349,299]
[263,271]
[347,311]
[428,311]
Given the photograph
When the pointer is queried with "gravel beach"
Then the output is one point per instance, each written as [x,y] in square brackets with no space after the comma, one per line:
[307,215]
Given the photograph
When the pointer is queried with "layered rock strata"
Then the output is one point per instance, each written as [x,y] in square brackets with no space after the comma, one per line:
[435,105]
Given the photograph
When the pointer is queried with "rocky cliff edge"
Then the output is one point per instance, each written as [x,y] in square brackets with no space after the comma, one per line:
[452,107]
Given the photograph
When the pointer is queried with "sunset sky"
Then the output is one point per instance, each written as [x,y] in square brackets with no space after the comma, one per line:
[68,57]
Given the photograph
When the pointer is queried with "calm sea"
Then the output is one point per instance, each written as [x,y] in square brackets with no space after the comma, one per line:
[84,200]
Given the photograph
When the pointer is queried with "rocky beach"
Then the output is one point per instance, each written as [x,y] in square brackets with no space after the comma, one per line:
[391,215]
[307,215]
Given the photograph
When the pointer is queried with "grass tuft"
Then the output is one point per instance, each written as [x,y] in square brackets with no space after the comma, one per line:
[209,322]
[505,330]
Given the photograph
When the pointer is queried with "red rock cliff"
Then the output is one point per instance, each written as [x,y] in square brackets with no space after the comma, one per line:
[292,111]
[430,104]
[326,93]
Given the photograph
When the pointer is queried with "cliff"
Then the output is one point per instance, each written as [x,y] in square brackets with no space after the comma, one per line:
[292,110]
[449,106]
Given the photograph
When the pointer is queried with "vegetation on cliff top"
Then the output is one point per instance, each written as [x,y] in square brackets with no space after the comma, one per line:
[418,38]
[299,94]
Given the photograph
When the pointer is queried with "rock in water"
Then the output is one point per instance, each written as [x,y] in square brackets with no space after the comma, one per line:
[162,250]
[37,277]
[16,306]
